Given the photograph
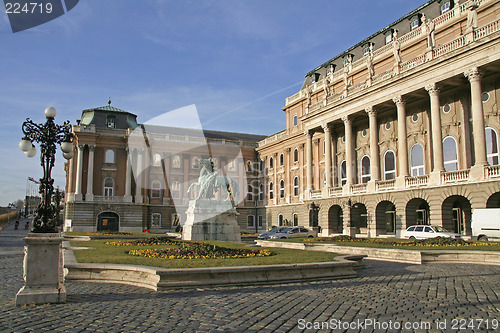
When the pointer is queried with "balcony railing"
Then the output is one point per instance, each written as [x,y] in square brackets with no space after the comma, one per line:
[114,199]
[316,194]
[416,181]
[335,191]
[492,171]
[358,188]
[384,185]
[455,176]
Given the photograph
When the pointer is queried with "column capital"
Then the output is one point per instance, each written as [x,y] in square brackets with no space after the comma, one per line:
[308,133]
[371,111]
[347,120]
[432,89]
[399,100]
[80,146]
[326,127]
[473,74]
[92,147]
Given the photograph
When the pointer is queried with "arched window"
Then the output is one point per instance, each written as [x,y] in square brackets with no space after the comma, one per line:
[271,162]
[450,157]
[282,159]
[343,173]
[365,169]
[109,185]
[296,187]
[249,166]
[261,192]
[295,155]
[282,188]
[157,160]
[491,146]
[195,162]
[271,191]
[389,165]
[176,162]
[295,219]
[156,189]
[176,190]
[249,192]
[110,156]
[295,120]
[280,220]
[417,160]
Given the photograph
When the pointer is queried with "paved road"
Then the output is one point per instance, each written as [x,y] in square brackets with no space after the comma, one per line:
[390,294]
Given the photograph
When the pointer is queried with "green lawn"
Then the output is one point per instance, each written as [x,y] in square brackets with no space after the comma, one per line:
[397,243]
[102,253]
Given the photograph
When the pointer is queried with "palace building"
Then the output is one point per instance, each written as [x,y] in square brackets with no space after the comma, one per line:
[400,129]
[131,177]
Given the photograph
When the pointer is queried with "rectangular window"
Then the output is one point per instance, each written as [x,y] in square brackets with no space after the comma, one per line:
[414,24]
[445,8]
[295,120]
[250,220]
[156,220]
[260,221]
[388,38]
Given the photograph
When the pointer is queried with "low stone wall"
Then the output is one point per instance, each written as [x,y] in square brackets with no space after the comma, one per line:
[399,255]
[167,279]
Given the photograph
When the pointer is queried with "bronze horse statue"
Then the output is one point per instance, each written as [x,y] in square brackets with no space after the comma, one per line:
[210,182]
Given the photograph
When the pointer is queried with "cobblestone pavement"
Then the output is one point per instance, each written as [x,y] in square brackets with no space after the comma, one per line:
[388,293]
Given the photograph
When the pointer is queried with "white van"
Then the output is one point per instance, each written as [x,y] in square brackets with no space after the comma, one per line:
[486,224]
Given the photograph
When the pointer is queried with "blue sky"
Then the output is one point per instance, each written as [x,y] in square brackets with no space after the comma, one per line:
[236,58]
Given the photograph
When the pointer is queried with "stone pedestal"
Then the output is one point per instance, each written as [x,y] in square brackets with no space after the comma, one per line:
[43,274]
[211,220]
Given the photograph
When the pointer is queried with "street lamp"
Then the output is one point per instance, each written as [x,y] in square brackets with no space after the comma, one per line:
[47,135]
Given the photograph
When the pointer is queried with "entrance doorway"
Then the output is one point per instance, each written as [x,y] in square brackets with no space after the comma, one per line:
[108,221]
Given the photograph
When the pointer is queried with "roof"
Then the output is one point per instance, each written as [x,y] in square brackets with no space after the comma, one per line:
[106,108]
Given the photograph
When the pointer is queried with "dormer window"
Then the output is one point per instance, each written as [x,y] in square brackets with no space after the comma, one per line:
[110,121]
[445,7]
[368,49]
[330,70]
[415,21]
[315,77]
[388,36]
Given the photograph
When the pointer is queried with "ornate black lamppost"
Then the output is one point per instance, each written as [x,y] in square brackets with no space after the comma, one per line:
[47,135]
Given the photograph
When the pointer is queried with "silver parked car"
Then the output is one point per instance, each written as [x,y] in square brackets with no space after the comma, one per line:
[428,231]
[267,235]
[294,232]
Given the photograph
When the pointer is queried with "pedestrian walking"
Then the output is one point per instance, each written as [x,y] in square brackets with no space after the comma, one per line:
[16,225]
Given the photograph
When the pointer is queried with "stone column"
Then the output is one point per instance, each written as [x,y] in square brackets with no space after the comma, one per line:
[89,196]
[334,159]
[71,186]
[276,180]
[139,183]
[309,157]
[437,137]
[328,155]
[474,77]
[79,170]
[402,139]
[349,151]
[374,151]
[128,178]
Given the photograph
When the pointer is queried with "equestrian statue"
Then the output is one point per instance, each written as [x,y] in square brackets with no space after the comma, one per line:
[210,182]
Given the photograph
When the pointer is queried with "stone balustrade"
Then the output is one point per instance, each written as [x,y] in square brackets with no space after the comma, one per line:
[455,176]
[416,181]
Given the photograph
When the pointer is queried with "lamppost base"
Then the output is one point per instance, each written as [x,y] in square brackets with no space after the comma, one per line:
[43,271]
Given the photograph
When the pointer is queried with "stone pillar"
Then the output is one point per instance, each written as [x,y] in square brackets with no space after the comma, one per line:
[437,137]
[474,77]
[71,186]
[128,178]
[42,270]
[276,180]
[79,170]
[349,151]
[374,151]
[139,177]
[89,196]
[334,159]
[328,155]
[309,157]
[402,140]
